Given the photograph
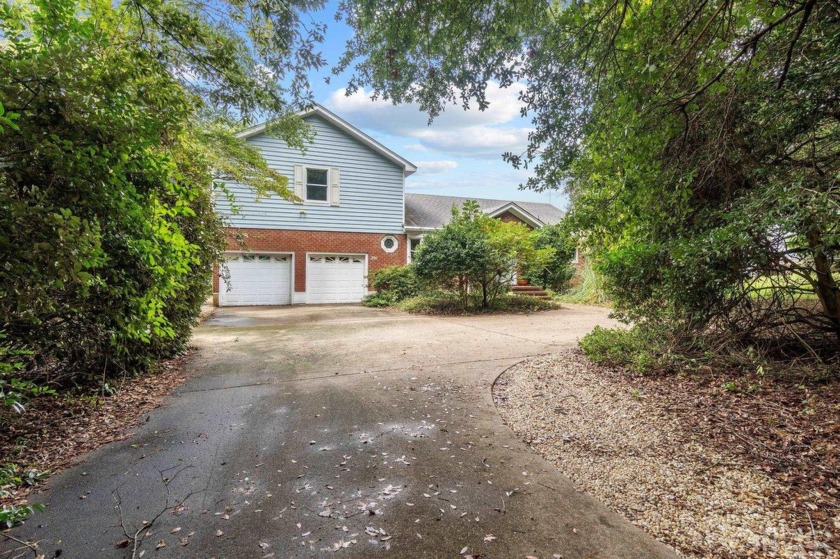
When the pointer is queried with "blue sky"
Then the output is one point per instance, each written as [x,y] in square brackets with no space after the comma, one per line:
[458,155]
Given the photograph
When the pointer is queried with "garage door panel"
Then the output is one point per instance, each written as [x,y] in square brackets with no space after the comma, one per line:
[257,279]
[335,278]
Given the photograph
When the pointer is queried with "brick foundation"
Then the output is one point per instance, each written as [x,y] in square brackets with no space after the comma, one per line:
[301,242]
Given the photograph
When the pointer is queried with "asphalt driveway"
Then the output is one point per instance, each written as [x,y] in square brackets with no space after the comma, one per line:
[337,430]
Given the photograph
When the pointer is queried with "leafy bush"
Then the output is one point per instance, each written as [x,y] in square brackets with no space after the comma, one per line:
[377,300]
[393,284]
[476,254]
[642,348]
[617,347]
[556,272]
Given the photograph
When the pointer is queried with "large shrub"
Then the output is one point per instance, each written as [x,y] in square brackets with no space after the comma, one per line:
[556,272]
[393,284]
[107,230]
[476,256]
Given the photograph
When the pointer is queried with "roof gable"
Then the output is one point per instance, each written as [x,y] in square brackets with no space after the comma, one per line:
[518,211]
[347,128]
[429,211]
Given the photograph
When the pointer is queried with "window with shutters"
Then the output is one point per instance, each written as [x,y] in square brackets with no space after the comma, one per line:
[317,185]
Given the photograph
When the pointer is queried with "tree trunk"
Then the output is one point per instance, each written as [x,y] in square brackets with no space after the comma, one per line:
[827,289]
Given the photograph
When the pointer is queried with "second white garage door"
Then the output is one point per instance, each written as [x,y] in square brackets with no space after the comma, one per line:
[335,278]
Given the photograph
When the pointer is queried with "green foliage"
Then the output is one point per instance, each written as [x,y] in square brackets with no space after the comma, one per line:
[11,476]
[393,284]
[475,253]
[449,303]
[11,515]
[14,391]
[7,119]
[118,124]
[556,272]
[699,141]
[433,302]
[634,348]
[587,287]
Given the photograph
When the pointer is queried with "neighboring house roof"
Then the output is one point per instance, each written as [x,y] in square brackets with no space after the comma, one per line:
[428,211]
[347,128]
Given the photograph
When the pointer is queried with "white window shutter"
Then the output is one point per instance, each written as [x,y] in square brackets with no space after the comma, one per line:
[299,186]
[335,187]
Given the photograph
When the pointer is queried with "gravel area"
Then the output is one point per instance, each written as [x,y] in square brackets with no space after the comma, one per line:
[619,443]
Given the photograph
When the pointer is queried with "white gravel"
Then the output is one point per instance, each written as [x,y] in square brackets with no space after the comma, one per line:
[615,443]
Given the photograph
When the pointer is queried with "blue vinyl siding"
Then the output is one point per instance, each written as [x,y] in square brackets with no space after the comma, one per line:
[371,187]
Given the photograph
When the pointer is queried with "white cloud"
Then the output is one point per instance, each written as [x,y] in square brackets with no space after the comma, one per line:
[474,133]
[479,141]
[434,167]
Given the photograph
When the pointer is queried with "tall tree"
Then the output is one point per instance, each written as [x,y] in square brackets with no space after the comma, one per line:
[699,140]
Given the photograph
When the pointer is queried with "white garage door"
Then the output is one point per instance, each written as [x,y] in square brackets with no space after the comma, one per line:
[335,278]
[257,279]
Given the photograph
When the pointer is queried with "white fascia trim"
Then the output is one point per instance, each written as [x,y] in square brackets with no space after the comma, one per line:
[346,127]
[516,210]
[411,229]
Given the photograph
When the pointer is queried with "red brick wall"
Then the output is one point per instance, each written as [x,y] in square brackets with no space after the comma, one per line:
[301,242]
[508,217]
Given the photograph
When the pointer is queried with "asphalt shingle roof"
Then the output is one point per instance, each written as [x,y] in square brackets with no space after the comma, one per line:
[432,211]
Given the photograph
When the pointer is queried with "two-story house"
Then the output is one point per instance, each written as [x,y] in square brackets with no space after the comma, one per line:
[353,218]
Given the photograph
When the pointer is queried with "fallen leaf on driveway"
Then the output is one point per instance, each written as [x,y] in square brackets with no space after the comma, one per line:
[219,533]
[161,543]
[490,538]
[120,544]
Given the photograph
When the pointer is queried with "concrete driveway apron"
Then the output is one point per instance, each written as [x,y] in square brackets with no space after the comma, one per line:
[318,431]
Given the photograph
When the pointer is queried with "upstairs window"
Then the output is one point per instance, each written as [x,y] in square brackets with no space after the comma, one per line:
[317,185]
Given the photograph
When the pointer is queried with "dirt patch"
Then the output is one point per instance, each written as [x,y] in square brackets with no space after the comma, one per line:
[54,431]
[705,468]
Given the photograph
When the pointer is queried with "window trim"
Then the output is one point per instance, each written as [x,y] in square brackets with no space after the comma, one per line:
[393,248]
[306,199]
[409,257]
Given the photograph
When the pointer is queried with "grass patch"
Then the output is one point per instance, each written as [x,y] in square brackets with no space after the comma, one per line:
[448,303]
[587,288]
